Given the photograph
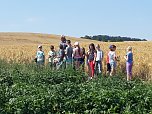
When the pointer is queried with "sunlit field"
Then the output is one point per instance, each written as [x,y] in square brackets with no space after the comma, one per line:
[21,47]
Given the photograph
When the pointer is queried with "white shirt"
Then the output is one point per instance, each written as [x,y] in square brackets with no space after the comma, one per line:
[112,56]
[40,56]
[99,55]
[52,54]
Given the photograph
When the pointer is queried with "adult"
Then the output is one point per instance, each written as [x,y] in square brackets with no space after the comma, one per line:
[77,54]
[63,42]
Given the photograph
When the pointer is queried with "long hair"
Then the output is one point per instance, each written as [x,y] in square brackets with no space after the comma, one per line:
[92,50]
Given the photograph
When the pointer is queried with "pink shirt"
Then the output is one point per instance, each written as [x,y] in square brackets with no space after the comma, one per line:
[76,54]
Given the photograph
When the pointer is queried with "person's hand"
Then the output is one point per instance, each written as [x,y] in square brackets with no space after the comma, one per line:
[93,62]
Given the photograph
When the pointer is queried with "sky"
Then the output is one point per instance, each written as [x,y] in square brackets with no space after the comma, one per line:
[131,18]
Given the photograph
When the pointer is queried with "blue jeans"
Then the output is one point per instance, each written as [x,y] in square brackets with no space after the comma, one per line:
[69,62]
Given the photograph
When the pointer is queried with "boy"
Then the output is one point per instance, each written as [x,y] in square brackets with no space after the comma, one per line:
[69,52]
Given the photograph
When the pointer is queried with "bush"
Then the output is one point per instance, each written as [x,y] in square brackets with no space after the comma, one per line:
[28,90]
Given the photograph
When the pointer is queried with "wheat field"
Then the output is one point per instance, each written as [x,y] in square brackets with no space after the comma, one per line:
[22,47]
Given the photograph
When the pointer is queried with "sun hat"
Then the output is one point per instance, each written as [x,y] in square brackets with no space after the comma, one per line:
[39,46]
[76,43]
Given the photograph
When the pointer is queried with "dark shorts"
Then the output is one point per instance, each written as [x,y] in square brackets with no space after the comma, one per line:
[108,67]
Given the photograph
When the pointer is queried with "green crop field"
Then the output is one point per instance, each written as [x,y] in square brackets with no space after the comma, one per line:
[27,89]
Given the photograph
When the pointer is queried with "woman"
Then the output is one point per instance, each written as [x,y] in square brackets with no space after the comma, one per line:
[77,54]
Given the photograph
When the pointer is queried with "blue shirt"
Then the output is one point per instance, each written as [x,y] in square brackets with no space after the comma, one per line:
[130,57]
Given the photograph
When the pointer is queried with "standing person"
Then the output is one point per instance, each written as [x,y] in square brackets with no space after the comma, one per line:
[82,62]
[129,62]
[63,42]
[52,55]
[91,54]
[99,59]
[77,54]
[60,56]
[68,53]
[40,57]
[112,60]
[107,61]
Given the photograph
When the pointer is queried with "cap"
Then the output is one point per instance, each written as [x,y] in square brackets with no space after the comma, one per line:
[111,46]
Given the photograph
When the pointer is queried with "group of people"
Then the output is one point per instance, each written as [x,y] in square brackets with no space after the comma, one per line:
[76,57]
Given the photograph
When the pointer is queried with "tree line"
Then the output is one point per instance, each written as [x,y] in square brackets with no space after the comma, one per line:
[106,38]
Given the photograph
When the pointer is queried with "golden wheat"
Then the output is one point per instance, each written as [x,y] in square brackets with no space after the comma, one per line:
[21,47]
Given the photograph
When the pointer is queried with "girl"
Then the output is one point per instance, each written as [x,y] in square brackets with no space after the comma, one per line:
[77,54]
[91,54]
[83,58]
[99,59]
[112,60]
[129,62]
[52,55]
[107,61]
[40,57]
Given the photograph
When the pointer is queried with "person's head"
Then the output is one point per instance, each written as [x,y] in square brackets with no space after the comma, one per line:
[40,47]
[68,42]
[98,47]
[129,48]
[52,47]
[110,47]
[76,44]
[63,39]
[114,47]
[61,46]
[91,46]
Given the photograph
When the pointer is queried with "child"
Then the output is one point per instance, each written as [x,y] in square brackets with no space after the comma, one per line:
[99,59]
[112,60]
[52,55]
[61,56]
[77,54]
[107,61]
[40,56]
[91,54]
[69,52]
[129,62]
